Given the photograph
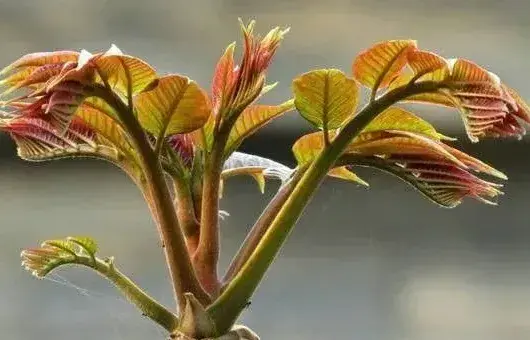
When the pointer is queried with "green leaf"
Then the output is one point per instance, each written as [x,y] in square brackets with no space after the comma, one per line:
[176,105]
[81,251]
[326,98]
[85,242]
[55,253]
[251,120]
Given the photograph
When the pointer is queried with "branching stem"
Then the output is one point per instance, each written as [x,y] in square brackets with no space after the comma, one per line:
[225,310]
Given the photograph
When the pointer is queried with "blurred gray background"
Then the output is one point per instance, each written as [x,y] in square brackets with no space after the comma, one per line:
[362,264]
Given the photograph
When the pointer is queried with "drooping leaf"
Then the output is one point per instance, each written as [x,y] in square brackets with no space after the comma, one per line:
[521,108]
[326,97]
[37,140]
[124,73]
[440,172]
[488,107]
[176,105]
[97,114]
[380,64]
[251,120]
[396,142]
[259,168]
[55,253]
[479,98]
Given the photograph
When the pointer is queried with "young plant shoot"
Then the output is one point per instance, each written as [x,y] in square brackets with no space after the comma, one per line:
[178,143]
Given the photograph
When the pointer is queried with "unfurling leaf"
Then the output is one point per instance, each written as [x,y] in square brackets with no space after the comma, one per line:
[414,152]
[380,64]
[251,120]
[176,105]
[55,253]
[259,168]
[234,88]
[488,107]
[326,98]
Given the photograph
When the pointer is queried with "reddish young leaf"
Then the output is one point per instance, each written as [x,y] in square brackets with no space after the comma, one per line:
[412,150]
[223,78]
[236,87]
[41,59]
[380,64]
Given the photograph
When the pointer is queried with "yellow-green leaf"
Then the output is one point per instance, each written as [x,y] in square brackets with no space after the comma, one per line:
[342,172]
[97,114]
[125,73]
[395,118]
[176,105]
[308,147]
[251,120]
[380,64]
[326,97]
[88,244]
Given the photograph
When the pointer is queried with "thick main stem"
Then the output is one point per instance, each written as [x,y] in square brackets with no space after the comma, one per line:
[186,213]
[226,309]
[207,256]
[182,275]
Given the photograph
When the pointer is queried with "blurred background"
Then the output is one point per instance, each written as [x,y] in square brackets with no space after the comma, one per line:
[382,263]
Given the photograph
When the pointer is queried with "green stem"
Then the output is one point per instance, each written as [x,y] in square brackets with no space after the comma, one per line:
[182,275]
[227,307]
[260,227]
[134,294]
